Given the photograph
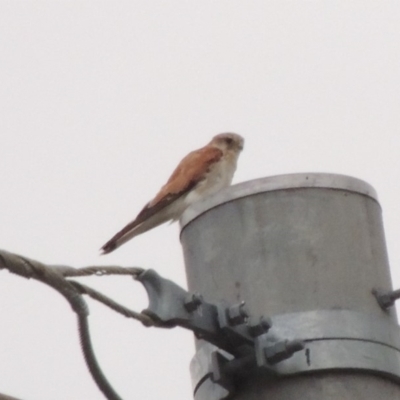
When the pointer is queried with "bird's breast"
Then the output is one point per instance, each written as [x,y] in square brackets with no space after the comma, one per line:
[218,177]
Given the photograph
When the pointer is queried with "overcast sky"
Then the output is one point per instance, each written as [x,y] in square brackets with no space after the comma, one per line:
[99,100]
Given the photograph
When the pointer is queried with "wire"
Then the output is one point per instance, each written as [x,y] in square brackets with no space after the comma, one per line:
[97,270]
[56,276]
[91,361]
[144,319]
[33,269]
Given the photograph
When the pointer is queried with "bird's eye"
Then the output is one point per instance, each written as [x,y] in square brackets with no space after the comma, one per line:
[229,141]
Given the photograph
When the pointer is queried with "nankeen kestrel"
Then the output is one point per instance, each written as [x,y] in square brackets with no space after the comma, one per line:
[201,173]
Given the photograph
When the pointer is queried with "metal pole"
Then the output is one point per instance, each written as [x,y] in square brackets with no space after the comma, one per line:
[306,250]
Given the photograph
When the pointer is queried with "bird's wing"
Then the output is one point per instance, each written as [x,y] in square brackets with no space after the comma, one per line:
[190,172]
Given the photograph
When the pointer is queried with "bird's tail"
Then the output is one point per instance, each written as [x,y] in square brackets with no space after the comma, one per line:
[131,230]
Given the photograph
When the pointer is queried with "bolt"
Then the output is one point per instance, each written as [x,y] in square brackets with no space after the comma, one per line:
[237,314]
[294,346]
[193,302]
[386,299]
[260,326]
[283,350]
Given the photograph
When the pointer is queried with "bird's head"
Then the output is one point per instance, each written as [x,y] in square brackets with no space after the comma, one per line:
[228,141]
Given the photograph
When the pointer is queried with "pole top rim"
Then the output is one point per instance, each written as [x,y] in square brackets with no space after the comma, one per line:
[275,183]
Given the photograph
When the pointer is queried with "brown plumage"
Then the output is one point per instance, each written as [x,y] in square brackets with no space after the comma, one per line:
[201,173]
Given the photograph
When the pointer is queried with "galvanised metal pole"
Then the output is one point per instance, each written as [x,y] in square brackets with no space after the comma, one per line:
[306,250]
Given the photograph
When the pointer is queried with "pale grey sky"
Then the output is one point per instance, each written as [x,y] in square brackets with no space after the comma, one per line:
[101,99]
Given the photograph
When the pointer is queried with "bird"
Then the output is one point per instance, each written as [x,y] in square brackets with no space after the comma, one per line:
[201,173]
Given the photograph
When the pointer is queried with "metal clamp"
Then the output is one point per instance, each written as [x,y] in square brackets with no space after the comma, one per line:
[243,343]
[336,340]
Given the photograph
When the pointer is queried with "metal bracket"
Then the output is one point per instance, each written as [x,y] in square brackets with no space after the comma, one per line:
[337,340]
[228,327]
